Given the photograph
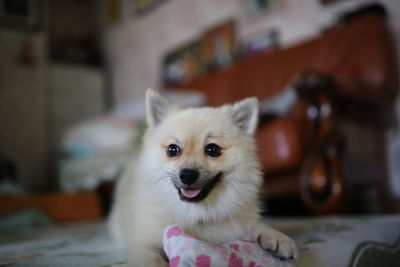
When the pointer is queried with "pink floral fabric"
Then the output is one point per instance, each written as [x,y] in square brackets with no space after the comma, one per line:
[184,250]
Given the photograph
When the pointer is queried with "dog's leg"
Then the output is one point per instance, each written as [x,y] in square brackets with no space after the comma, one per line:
[139,256]
[274,241]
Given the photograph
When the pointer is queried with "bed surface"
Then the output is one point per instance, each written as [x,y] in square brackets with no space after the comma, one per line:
[324,241]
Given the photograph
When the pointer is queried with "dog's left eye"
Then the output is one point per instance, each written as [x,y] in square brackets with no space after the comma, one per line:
[212,150]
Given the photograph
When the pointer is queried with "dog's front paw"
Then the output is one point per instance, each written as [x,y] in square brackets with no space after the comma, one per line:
[279,244]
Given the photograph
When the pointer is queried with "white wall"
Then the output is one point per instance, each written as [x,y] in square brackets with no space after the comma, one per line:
[76,93]
[23,107]
[38,102]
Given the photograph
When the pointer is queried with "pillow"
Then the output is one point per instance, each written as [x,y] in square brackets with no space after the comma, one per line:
[185,250]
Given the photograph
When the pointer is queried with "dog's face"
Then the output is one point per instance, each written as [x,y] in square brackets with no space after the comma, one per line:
[200,151]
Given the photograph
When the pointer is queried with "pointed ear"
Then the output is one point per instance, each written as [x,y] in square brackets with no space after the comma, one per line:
[245,114]
[157,107]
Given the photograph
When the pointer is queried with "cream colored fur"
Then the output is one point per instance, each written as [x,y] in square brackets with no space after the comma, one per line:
[147,201]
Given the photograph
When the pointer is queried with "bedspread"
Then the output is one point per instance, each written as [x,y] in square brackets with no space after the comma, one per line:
[323,241]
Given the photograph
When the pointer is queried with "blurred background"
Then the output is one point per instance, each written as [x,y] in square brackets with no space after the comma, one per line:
[73,75]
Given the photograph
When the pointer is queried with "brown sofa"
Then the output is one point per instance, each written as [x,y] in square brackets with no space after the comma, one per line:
[359,55]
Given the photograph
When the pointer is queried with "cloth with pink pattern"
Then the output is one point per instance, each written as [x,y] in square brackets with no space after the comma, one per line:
[184,250]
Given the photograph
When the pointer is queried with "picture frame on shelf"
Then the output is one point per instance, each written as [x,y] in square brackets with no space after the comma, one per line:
[183,64]
[258,7]
[219,46]
[267,41]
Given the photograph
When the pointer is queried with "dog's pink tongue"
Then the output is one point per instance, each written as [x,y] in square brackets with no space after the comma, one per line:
[190,193]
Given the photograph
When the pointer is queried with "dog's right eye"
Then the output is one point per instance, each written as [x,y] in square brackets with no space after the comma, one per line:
[173,150]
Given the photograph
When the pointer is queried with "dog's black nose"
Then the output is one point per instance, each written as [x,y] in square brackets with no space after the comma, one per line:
[188,176]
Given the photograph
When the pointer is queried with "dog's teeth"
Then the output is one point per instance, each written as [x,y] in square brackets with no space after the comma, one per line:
[190,193]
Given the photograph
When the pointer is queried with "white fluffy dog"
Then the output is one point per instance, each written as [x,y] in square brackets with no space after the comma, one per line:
[198,168]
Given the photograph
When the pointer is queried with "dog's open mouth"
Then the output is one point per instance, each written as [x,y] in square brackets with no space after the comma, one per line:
[199,194]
